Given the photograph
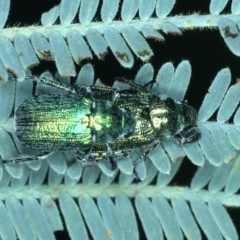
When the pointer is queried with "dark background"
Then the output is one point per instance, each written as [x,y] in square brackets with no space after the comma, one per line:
[205,49]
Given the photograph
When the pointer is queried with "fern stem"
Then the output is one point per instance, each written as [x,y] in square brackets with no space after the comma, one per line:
[181,21]
[114,190]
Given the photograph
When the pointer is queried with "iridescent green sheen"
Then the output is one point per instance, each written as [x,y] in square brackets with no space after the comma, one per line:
[156,119]
[70,122]
[52,122]
[112,122]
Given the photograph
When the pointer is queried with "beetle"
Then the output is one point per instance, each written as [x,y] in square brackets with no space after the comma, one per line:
[100,122]
[157,118]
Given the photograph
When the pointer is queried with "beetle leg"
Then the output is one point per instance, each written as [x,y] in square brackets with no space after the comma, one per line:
[112,159]
[113,162]
[136,87]
[54,83]
[82,90]
[82,156]
[150,147]
[27,159]
[137,178]
[143,156]
[187,135]
[69,164]
[47,81]
[79,90]
[130,83]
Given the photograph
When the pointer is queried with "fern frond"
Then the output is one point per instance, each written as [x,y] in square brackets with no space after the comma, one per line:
[170,211]
[68,42]
[220,140]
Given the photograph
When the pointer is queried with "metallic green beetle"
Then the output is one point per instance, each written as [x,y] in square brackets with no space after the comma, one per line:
[157,118]
[100,122]
[70,122]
